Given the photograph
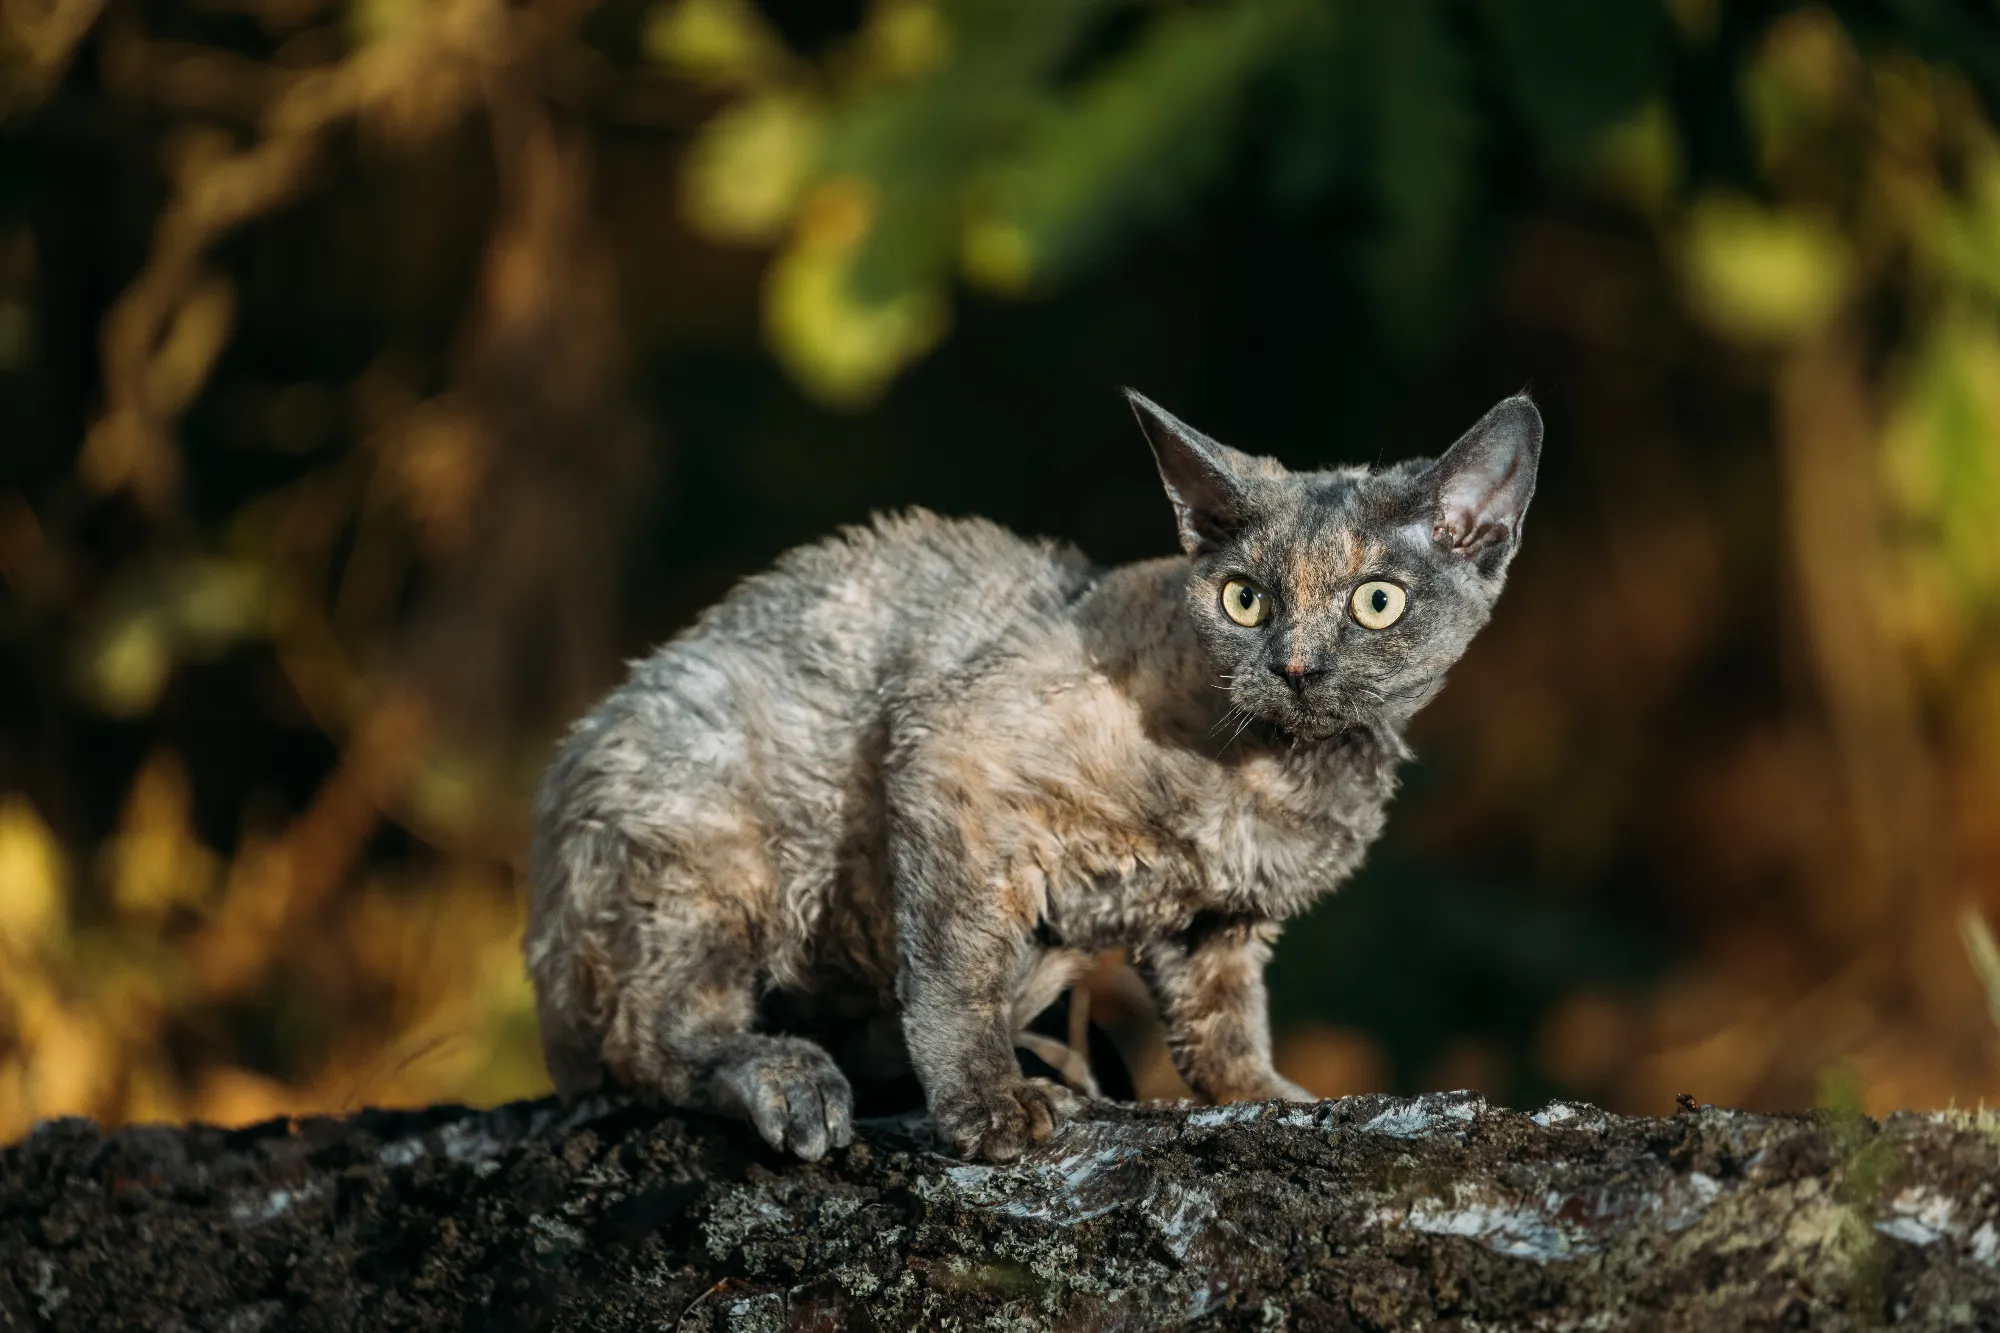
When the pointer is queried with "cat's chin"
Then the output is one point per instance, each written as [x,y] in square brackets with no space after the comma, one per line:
[1300,732]
[1330,734]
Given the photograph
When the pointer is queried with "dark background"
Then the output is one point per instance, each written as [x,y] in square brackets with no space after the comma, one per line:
[375,379]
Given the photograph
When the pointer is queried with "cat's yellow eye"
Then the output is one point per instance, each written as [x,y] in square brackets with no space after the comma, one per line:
[1245,603]
[1378,605]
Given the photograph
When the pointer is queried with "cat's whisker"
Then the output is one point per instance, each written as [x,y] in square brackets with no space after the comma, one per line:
[1241,727]
[1237,714]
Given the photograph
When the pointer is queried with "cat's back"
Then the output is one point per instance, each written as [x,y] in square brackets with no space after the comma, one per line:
[904,590]
[799,660]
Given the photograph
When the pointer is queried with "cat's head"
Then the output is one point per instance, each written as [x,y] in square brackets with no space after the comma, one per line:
[1331,600]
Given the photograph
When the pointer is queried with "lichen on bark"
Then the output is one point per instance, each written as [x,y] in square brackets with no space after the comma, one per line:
[1371,1212]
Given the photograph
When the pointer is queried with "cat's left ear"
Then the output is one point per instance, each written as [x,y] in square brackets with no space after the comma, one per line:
[1479,490]
[1204,479]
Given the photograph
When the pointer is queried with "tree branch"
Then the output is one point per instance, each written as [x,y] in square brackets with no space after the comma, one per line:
[1372,1212]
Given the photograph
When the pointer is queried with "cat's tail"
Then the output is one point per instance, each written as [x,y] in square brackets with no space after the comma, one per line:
[577,872]
[644,974]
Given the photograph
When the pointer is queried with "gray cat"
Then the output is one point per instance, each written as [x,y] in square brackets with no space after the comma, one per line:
[878,807]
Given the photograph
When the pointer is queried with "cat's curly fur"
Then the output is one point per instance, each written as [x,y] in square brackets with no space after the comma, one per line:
[876,808]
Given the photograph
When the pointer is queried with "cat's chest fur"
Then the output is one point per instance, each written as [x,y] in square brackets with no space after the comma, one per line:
[1117,806]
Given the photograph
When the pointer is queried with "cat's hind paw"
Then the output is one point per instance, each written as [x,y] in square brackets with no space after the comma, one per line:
[794,1094]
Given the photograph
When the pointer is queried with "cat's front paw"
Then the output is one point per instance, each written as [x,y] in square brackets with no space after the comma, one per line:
[998,1124]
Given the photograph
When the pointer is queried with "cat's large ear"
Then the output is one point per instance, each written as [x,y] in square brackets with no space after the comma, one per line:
[1478,492]
[1202,477]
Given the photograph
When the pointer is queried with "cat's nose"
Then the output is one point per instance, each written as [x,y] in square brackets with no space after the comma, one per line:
[1296,674]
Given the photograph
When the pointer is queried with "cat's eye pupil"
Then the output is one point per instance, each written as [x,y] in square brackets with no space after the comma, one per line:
[1245,603]
[1377,604]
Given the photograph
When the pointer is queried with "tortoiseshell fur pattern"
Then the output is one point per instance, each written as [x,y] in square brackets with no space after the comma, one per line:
[875,809]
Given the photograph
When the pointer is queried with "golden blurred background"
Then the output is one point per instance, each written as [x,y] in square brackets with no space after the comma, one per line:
[377,375]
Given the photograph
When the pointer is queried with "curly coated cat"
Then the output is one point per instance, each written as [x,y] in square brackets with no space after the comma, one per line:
[879,806]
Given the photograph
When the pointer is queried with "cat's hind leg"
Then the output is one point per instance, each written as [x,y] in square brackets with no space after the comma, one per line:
[667,967]
[683,1029]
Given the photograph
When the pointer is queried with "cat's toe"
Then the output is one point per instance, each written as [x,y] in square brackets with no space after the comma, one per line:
[767,1113]
[840,1120]
[1064,1101]
[795,1096]
[1000,1126]
[806,1131]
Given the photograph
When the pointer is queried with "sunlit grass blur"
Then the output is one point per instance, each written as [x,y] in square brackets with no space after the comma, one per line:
[375,376]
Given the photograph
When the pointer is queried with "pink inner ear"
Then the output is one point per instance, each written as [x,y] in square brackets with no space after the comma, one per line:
[1481,502]
[1484,481]
[1470,540]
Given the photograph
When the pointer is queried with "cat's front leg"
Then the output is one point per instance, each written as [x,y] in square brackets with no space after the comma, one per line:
[961,953]
[1209,983]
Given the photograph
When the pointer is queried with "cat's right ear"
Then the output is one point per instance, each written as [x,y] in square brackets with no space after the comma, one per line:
[1210,506]
[1478,492]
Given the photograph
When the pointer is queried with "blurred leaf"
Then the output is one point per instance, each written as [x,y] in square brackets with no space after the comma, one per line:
[182,608]
[1941,459]
[438,455]
[1801,83]
[716,41]
[370,21]
[1947,34]
[1132,144]
[863,288]
[125,670]
[841,346]
[1640,160]
[33,896]
[743,177]
[917,142]
[903,39]
[1757,273]
[1965,233]
[155,861]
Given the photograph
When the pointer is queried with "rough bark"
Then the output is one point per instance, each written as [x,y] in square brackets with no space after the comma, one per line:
[1368,1213]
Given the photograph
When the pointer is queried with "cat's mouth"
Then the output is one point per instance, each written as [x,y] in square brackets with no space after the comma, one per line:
[1329,731]
[1328,714]
[1289,726]
[1331,722]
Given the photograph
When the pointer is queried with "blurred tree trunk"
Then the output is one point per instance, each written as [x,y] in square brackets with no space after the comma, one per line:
[1371,1212]
[1826,431]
